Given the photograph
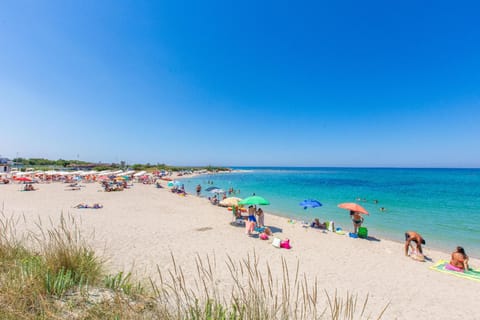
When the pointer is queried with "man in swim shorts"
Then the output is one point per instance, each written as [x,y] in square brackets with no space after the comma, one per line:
[415,237]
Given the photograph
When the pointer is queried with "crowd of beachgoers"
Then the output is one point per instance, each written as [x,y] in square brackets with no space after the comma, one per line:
[245,212]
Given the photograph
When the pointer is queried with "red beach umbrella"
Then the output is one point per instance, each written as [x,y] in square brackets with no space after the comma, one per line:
[353,207]
[24,179]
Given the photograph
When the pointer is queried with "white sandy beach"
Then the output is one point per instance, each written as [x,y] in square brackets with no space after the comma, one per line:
[141,227]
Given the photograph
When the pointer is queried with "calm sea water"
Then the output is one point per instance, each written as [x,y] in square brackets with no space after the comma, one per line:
[443,205]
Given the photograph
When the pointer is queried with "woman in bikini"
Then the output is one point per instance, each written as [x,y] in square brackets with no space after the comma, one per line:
[459,261]
[357,220]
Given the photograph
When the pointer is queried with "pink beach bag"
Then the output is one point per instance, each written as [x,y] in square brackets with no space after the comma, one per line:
[285,244]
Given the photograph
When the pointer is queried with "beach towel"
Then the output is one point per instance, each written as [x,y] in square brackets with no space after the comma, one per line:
[470,274]
[260,229]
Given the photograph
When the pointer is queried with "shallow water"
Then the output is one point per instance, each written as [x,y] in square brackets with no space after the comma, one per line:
[443,205]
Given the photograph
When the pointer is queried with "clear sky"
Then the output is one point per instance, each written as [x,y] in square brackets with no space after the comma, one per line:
[282,83]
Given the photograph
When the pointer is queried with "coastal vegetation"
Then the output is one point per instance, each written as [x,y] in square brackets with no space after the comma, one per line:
[53,273]
[46,164]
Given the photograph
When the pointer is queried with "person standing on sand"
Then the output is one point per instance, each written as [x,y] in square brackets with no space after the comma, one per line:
[260,217]
[199,190]
[415,237]
[357,220]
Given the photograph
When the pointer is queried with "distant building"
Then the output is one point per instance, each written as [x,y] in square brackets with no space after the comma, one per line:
[5,165]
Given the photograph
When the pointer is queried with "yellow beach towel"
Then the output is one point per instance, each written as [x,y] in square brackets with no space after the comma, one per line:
[470,274]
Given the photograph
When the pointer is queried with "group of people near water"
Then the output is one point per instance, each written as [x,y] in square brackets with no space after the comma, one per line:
[179,190]
[255,219]
[458,261]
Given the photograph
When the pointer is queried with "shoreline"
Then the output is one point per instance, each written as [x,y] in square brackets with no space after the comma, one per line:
[139,228]
[438,238]
[278,216]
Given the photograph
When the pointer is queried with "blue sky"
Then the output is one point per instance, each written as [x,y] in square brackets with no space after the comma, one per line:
[321,83]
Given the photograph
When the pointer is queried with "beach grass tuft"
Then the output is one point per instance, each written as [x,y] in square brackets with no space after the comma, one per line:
[54,274]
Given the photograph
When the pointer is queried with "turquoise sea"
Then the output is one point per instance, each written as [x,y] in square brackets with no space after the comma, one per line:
[443,205]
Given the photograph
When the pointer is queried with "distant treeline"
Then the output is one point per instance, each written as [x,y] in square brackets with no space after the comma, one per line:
[41,164]
[33,162]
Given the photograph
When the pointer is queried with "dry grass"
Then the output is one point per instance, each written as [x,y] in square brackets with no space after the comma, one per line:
[54,274]
[255,294]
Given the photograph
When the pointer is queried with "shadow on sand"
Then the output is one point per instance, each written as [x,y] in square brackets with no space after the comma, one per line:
[275,229]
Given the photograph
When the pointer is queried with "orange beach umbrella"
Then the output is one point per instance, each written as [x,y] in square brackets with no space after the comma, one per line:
[353,207]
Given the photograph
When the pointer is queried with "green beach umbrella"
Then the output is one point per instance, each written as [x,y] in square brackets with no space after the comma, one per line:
[254,200]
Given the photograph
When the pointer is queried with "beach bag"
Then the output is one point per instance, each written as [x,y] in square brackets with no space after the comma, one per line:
[363,232]
[276,242]
[263,236]
[352,235]
[330,226]
[285,244]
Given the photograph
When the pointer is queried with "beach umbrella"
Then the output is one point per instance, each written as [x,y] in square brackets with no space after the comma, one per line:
[353,207]
[24,179]
[254,200]
[310,203]
[228,202]
[174,183]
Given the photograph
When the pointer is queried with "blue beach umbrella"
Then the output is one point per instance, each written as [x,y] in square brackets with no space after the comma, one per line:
[310,203]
